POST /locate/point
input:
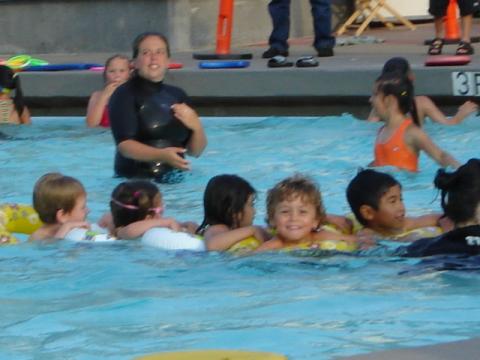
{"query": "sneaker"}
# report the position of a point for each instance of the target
(274, 52)
(325, 52)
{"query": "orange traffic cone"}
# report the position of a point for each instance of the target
(224, 35)
(224, 26)
(452, 29)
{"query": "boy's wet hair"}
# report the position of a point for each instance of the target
(398, 85)
(460, 191)
(138, 40)
(132, 201)
(11, 81)
(367, 188)
(291, 188)
(224, 200)
(53, 192)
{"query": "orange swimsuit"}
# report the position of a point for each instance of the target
(394, 151)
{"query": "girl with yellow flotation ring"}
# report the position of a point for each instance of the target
(229, 211)
(295, 210)
(17, 218)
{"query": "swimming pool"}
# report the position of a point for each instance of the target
(118, 301)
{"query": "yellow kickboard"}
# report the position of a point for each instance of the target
(213, 355)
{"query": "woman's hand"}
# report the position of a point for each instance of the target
(187, 116)
(171, 155)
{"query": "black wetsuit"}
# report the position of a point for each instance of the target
(141, 110)
(461, 241)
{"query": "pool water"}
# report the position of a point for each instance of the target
(99, 301)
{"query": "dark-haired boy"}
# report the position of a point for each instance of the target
(375, 199)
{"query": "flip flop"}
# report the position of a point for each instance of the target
(306, 61)
(279, 61)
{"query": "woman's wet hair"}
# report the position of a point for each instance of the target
(132, 201)
(367, 188)
(11, 81)
(460, 191)
(292, 187)
(224, 201)
(138, 40)
(399, 66)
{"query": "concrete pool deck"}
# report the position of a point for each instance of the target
(343, 80)
(464, 350)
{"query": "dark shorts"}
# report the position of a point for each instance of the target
(438, 8)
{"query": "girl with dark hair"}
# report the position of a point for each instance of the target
(229, 210)
(399, 141)
(460, 200)
(137, 206)
(12, 111)
(422, 106)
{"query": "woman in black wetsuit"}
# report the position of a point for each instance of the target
(151, 123)
(460, 192)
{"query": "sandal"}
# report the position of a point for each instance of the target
(436, 47)
(464, 48)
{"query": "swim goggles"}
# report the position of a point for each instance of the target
(156, 210)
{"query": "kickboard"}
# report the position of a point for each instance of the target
(214, 355)
(171, 66)
(224, 64)
(60, 67)
(447, 60)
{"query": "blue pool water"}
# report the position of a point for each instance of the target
(119, 301)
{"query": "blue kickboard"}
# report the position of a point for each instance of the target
(60, 67)
(224, 64)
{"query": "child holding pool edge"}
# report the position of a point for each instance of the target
(117, 71)
(12, 111)
(399, 141)
(296, 214)
(60, 202)
(375, 199)
(228, 203)
(422, 106)
(460, 200)
(136, 207)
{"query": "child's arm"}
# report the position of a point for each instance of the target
(272, 244)
(220, 237)
(138, 228)
(97, 103)
(419, 140)
(422, 221)
(364, 239)
(341, 222)
(433, 112)
(25, 117)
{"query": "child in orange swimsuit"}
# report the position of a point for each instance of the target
(422, 106)
(399, 141)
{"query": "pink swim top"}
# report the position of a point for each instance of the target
(105, 120)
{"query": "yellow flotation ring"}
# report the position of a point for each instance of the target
(409, 235)
(246, 245)
(17, 218)
(214, 355)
